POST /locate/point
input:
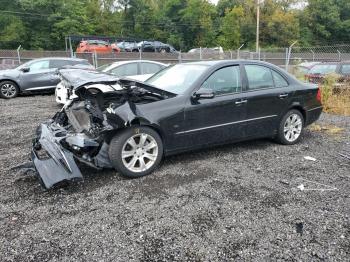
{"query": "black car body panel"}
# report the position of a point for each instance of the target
(89, 122)
(54, 163)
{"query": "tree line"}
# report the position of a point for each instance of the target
(43, 24)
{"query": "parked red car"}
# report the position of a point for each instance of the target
(98, 46)
(318, 72)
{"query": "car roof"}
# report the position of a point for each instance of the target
(59, 58)
(133, 61)
(223, 62)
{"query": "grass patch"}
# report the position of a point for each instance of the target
(336, 95)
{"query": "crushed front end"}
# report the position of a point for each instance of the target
(83, 129)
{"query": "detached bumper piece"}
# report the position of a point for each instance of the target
(53, 163)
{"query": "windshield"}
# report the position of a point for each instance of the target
(178, 78)
(323, 69)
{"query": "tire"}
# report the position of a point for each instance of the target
(142, 162)
(291, 128)
(8, 89)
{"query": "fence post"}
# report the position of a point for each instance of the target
(179, 57)
(289, 54)
(313, 55)
(70, 47)
(140, 53)
(96, 62)
(200, 53)
(238, 50)
(286, 61)
(339, 55)
(18, 54)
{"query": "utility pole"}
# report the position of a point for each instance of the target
(257, 24)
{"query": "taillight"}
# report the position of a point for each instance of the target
(319, 94)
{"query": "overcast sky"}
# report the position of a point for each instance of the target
(214, 1)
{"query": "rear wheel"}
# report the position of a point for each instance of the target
(136, 151)
(291, 128)
(8, 89)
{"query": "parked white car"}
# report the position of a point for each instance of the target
(139, 70)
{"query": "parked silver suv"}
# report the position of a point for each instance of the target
(38, 75)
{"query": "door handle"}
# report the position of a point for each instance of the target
(283, 95)
(242, 101)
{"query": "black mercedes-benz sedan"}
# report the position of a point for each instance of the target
(183, 107)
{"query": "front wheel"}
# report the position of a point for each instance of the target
(290, 128)
(136, 151)
(8, 89)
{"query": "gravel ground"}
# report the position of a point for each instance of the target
(236, 202)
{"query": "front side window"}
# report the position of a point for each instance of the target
(259, 77)
(125, 70)
(39, 65)
(226, 80)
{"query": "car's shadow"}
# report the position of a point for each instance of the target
(94, 178)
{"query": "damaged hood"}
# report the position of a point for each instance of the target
(78, 78)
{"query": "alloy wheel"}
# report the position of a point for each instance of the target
(139, 152)
(8, 90)
(293, 127)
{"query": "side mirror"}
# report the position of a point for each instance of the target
(25, 69)
(203, 93)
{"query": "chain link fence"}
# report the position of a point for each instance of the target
(283, 57)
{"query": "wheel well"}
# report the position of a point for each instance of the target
(136, 124)
(301, 110)
(10, 80)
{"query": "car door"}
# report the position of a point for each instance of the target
(38, 77)
(268, 95)
(148, 47)
(219, 119)
(58, 64)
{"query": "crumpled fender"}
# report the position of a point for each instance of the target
(127, 114)
(58, 164)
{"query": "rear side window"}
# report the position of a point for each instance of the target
(279, 80)
(78, 62)
(226, 80)
(259, 77)
(62, 63)
(59, 63)
(125, 70)
(150, 68)
(345, 69)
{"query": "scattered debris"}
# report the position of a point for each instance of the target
(299, 228)
(346, 152)
(329, 129)
(317, 188)
(284, 182)
(309, 158)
